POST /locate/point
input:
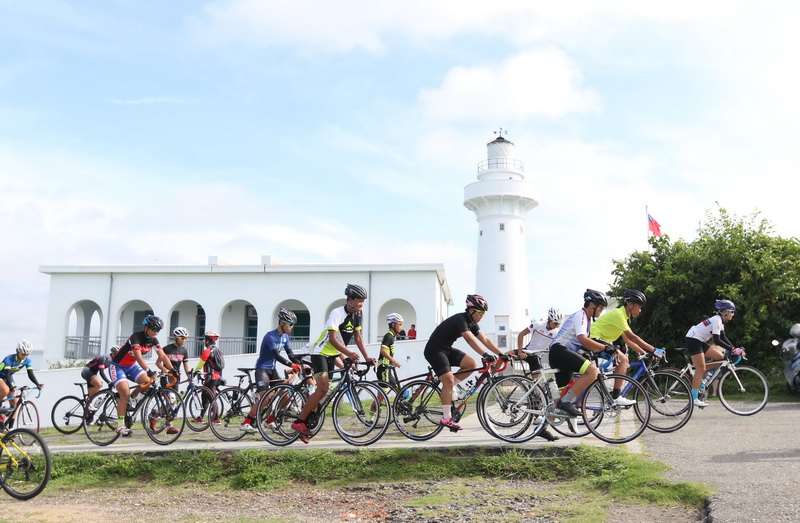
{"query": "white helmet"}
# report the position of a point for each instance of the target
(794, 332)
(394, 318)
(554, 315)
(180, 332)
(24, 347)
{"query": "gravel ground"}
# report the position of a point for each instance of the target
(466, 500)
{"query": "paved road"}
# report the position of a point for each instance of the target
(752, 461)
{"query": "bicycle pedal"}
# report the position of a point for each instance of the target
(454, 429)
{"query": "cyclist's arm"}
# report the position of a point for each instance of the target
(33, 379)
(276, 353)
(637, 343)
(723, 341)
(160, 365)
(103, 372)
(589, 344)
(164, 359)
(521, 341)
(361, 346)
(338, 345)
(473, 341)
(203, 359)
(385, 354)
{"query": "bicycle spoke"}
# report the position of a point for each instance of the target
(743, 390)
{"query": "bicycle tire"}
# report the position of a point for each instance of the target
(25, 464)
(67, 415)
(744, 401)
(227, 413)
(670, 397)
(196, 406)
(417, 416)
(513, 409)
(102, 429)
(360, 413)
(278, 408)
(27, 417)
(609, 422)
(391, 393)
(568, 426)
(163, 410)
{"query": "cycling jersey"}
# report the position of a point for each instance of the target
(577, 324)
(541, 336)
(447, 332)
(11, 364)
(707, 328)
(99, 363)
(137, 341)
(177, 355)
(271, 346)
(344, 323)
(611, 325)
(388, 344)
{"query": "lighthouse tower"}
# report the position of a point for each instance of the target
(500, 200)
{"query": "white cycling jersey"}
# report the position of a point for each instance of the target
(706, 329)
(541, 337)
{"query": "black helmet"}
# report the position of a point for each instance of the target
(287, 316)
(634, 296)
(355, 291)
(475, 301)
(596, 297)
(154, 322)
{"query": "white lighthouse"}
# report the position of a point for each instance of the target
(500, 200)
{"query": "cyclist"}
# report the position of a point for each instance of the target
(265, 372)
(698, 343)
(177, 354)
(129, 364)
(11, 364)
(572, 338)
(212, 361)
(441, 355)
(344, 324)
(98, 368)
(615, 324)
(542, 333)
(387, 359)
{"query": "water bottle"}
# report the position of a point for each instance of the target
(406, 394)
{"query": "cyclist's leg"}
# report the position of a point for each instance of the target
(716, 356)
(568, 362)
(696, 349)
(623, 363)
(323, 366)
(263, 378)
(465, 363)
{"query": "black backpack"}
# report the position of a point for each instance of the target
(216, 359)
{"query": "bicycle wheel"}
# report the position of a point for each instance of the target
(227, 413)
(743, 390)
(610, 422)
(391, 393)
(360, 414)
(417, 413)
(163, 416)
(196, 405)
(67, 415)
(28, 417)
(278, 408)
(570, 427)
(24, 463)
(102, 430)
(670, 397)
(513, 409)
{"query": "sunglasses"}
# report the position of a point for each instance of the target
(479, 311)
(184, 338)
(289, 323)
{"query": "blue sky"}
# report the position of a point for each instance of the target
(345, 132)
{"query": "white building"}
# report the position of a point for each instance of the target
(91, 308)
(500, 200)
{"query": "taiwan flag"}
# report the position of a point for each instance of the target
(653, 226)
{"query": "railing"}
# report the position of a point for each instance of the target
(501, 163)
(82, 347)
(230, 345)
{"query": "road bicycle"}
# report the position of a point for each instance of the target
(24, 414)
(358, 409)
(230, 406)
(25, 463)
(160, 410)
(196, 400)
(69, 412)
(279, 406)
(517, 408)
(742, 389)
(418, 404)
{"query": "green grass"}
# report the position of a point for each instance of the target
(614, 473)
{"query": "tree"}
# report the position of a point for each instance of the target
(733, 258)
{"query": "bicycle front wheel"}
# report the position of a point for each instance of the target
(513, 409)
(163, 417)
(417, 410)
(67, 415)
(609, 421)
(743, 390)
(196, 405)
(670, 397)
(24, 464)
(101, 429)
(278, 408)
(227, 413)
(361, 414)
(28, 417)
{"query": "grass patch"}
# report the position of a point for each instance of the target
(615, 473)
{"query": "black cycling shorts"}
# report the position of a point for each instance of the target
(87, 374)
(264, 377)
(443, 359)
(566, 361)
(323, 364)
(695, 346)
